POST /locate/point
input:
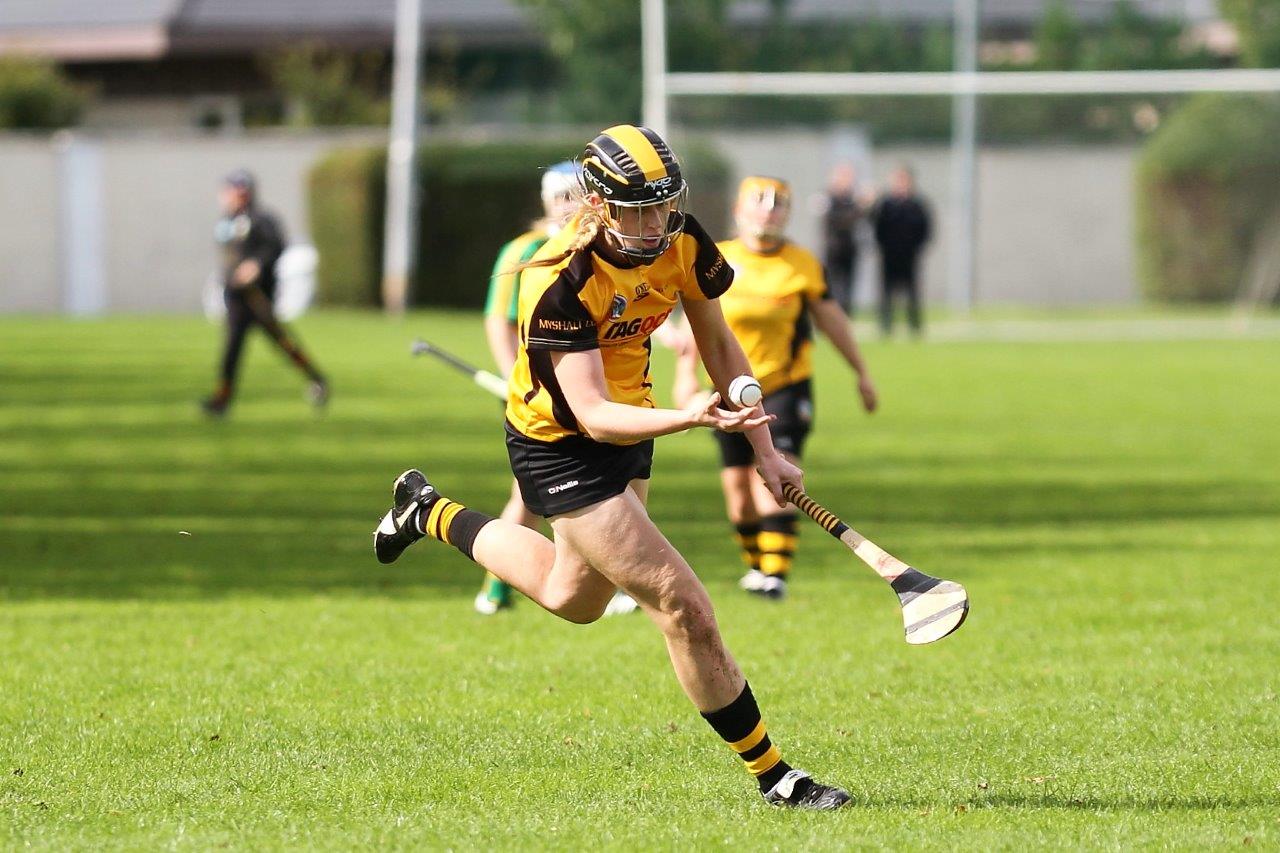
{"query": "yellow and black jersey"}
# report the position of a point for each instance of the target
(767, 310)
(585, 302)
(504, 281)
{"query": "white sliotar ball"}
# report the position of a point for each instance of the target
(745, 391)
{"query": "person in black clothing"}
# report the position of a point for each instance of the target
(839, 224)
(902, 227)
(252, 241)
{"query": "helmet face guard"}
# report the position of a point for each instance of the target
(637, 177)
(628, 221)
(769, 202)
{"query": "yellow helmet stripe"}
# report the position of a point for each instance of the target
(622, 179)
(639, 147)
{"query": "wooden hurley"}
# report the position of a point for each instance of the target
(932, 608)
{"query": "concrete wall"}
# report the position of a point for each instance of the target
(29, 279)
(1055, 223)
(159, 208)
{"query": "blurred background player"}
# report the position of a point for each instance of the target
(500, 313)
(778, 294)
(903, 227)
(840, 222)
(581, 420)
(252, 242)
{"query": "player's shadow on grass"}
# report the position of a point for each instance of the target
(172, 565)
(273, 524)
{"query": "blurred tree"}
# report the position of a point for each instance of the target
(1058, 38)
(598, 45)
(1132, 40)
(1258, 23)
(322, 85)
(35, 95)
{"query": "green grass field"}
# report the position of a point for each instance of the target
(1113, 508)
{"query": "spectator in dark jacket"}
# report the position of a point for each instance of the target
(839, 229)
(902, 227)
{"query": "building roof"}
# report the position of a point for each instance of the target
(91, 30)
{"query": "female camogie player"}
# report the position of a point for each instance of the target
(580, 428)
(779, 290)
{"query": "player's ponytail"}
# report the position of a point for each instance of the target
(588, 222)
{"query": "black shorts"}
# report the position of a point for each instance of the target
(793, 406)
(556, 477)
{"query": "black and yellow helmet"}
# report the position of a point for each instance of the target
(631, 167)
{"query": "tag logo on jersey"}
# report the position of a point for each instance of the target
(638, 326)
(642, 290)
(619, 306)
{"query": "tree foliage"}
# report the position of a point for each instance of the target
(1258, 23)
(35, 95)
(325, 86)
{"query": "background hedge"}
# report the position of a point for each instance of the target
(1206, 183)
(475, 197)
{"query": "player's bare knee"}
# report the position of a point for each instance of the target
(576, 606)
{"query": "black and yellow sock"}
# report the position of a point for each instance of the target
(452, 523)
(740, 725)
(749, 541)
(778, 543)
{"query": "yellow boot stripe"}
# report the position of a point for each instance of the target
(638, 146)
(751, 740)
(764, 763)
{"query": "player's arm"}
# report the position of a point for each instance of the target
(581, 378)
(829, 317)
(675, 335)
(501, 334)
(724, 359)
(501, 308)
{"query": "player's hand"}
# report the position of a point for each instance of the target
(707, 412)
(246, 273)
(777, 471)
(867, 390)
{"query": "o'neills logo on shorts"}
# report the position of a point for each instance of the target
(638, 326)
(562, 325)
(555, 490)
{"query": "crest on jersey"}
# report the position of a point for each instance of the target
(619, 306)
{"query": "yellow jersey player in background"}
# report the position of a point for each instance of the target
(559, 183)
(581, 420)
(779, 294)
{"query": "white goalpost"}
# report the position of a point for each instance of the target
(963, 85)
